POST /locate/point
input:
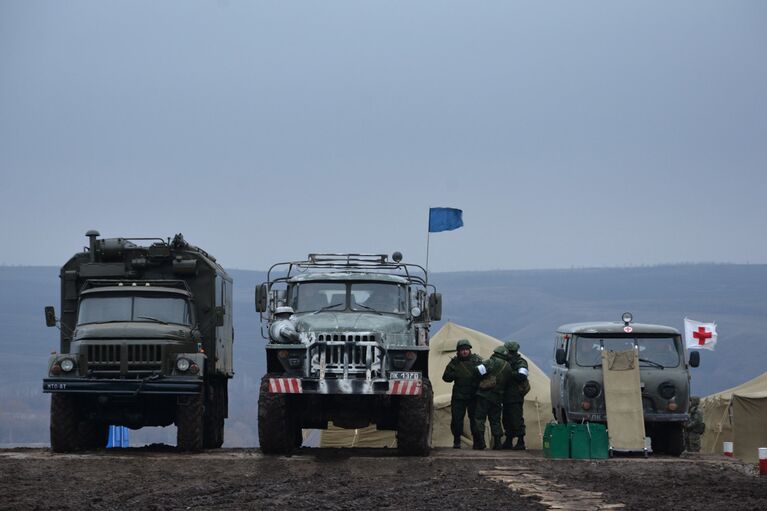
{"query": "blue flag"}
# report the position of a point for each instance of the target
(445, 219)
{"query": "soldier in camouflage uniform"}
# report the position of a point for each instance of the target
(695, 426)
(494, 373)
(462, 372)
(517, 386)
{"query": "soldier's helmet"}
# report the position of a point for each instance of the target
(463, 343)
(512, 346)
(694, 401)
(501, 350)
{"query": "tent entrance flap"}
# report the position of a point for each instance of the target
(623, 400)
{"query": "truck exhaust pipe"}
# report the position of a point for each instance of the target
(92, 235)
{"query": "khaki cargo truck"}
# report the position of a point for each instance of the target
(146, 340)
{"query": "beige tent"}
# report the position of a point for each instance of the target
(537, 407)
(737, 415)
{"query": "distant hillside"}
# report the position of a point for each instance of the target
(523, 305)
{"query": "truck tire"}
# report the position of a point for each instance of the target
(276, 427)
(189, 423)
(414, 422)
(64, 423)
(674, 438)
(93, 435)
(215, 410)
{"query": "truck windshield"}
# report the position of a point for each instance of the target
(162, 309)
(379, 297)
(653, 351)
(314, 296)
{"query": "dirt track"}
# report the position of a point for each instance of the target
(158, 478)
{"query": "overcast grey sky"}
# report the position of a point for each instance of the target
(570, 133)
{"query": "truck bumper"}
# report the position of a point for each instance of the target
(380, 387)
(159, 386)
(601, 417)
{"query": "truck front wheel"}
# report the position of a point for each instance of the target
(414, 423)
(277, 430)
(64, 423)
(189, 423)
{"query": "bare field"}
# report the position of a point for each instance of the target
(158, 478)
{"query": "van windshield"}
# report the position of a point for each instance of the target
(653, 351)
(154, 308)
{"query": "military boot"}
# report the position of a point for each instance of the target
(520, 446)
(509, 442)
(479, 444)
(456, 442)
(497, 444)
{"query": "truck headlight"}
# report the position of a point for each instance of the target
(183, 364)
(67, 365)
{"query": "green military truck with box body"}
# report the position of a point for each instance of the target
(348, 343)
(577, 390)
(146, 340)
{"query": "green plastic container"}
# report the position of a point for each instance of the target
(556, 441)
(580, 441)
(600, 446)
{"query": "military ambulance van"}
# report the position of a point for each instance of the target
(577, 387)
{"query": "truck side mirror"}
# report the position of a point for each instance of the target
(561, 356)
(261, 295)
(435, 306)
(50, 316)
(220, 311)
(694, 358)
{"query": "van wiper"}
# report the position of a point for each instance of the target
(150, 318)
(328, 307)
(596, 365)
(653, 363)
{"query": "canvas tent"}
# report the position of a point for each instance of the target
(537, 408)
(737, 415)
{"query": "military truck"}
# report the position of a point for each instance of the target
(146, 340)
(348, 343)
(577, 387)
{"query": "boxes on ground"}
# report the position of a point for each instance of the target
(556, 441)
(600, 446)
(578, 441)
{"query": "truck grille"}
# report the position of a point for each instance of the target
(139, 357)
(346, 355)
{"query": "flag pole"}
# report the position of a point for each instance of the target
(428, 238)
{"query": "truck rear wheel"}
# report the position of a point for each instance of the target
(64, 423)
(189, 423)
(414, 423)
(278, 432)
(215, 410)
(93, 435)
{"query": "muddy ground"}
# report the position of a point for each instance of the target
(158, 478)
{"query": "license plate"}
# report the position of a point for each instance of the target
(404, 375)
